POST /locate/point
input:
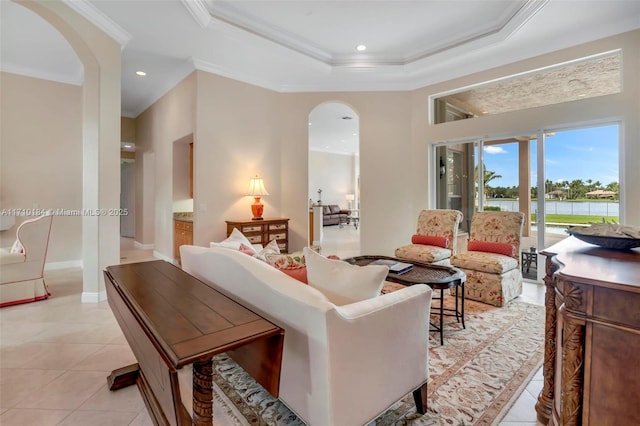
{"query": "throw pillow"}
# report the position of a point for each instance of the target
(17, 247)
(342, 282)
(289, 261)
(271, 248)
(430, 240)
(233, 241)
(247, 250)
(299, 274)
(491, 247)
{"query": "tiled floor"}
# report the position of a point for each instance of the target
(55, 355)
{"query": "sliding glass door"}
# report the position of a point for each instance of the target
(558, 178)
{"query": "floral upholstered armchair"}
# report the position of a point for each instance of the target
(435, 239)
(492, 262)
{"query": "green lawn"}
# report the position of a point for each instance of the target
(577, 219)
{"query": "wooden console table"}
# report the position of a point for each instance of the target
(592, 335)
(170, 319)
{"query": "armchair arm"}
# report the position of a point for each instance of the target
(379, 340)
(6, 257)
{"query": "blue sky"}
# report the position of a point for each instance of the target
(589, 153)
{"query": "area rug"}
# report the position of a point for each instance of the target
(473, 378)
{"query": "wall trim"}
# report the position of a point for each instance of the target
(161, 256)
(52, 266)
(143, 246)
(93, 297)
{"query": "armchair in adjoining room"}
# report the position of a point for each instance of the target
(435, 240)
(22, 266)
(492, 259)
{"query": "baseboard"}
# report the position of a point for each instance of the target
(161, 256)
(93, 297)
(143, 246)
(52, 266)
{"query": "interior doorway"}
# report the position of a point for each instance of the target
(334, 168)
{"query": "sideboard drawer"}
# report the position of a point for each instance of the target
(263, 231)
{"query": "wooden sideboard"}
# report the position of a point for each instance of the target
(182, 235)
(263, 231)
(170, 319)
(592, 334)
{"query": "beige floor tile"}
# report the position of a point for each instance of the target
(28, 417)
(79, 333)
(67, 392)
(48, 356)
(142, 419)
(523, 410)
(108, 358)
(98, 418)
(18, 384)
(126, 399)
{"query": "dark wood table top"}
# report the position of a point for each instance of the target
(589, 263)
(190, 320)
(421, 273)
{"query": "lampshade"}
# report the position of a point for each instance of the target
(256, 187)
(350, 197)
(257, 190)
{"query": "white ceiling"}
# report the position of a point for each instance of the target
(306, 45)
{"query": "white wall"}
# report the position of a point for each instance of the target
(334, 174)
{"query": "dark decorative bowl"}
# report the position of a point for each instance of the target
(617, 243)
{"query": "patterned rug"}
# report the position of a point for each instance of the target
(473, 378)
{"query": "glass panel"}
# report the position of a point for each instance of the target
(582, 179)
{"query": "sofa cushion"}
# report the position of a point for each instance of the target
(423, 253)
(335, 209)
(430, 240)
(341, 282)
(485, 262)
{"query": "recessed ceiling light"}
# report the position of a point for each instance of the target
(361, 48)
(309, 124)
(141, 73)
(354, 134)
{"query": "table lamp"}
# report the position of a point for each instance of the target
(257, 190)
(350, 198)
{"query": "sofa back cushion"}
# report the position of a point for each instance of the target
(335, 209)
(341, 282)
(326, 209)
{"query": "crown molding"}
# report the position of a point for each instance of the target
(234, 75)
(353, 62)
(198, 11)
(100, 20)
(65, 78)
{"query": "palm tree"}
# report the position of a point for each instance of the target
(488, 177)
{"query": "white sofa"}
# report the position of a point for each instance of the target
(341, 365)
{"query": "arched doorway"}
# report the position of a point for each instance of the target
(334, 174)
(100, 57)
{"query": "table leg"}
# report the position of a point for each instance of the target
(441, 316)
(462, 302)
(203, 393)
